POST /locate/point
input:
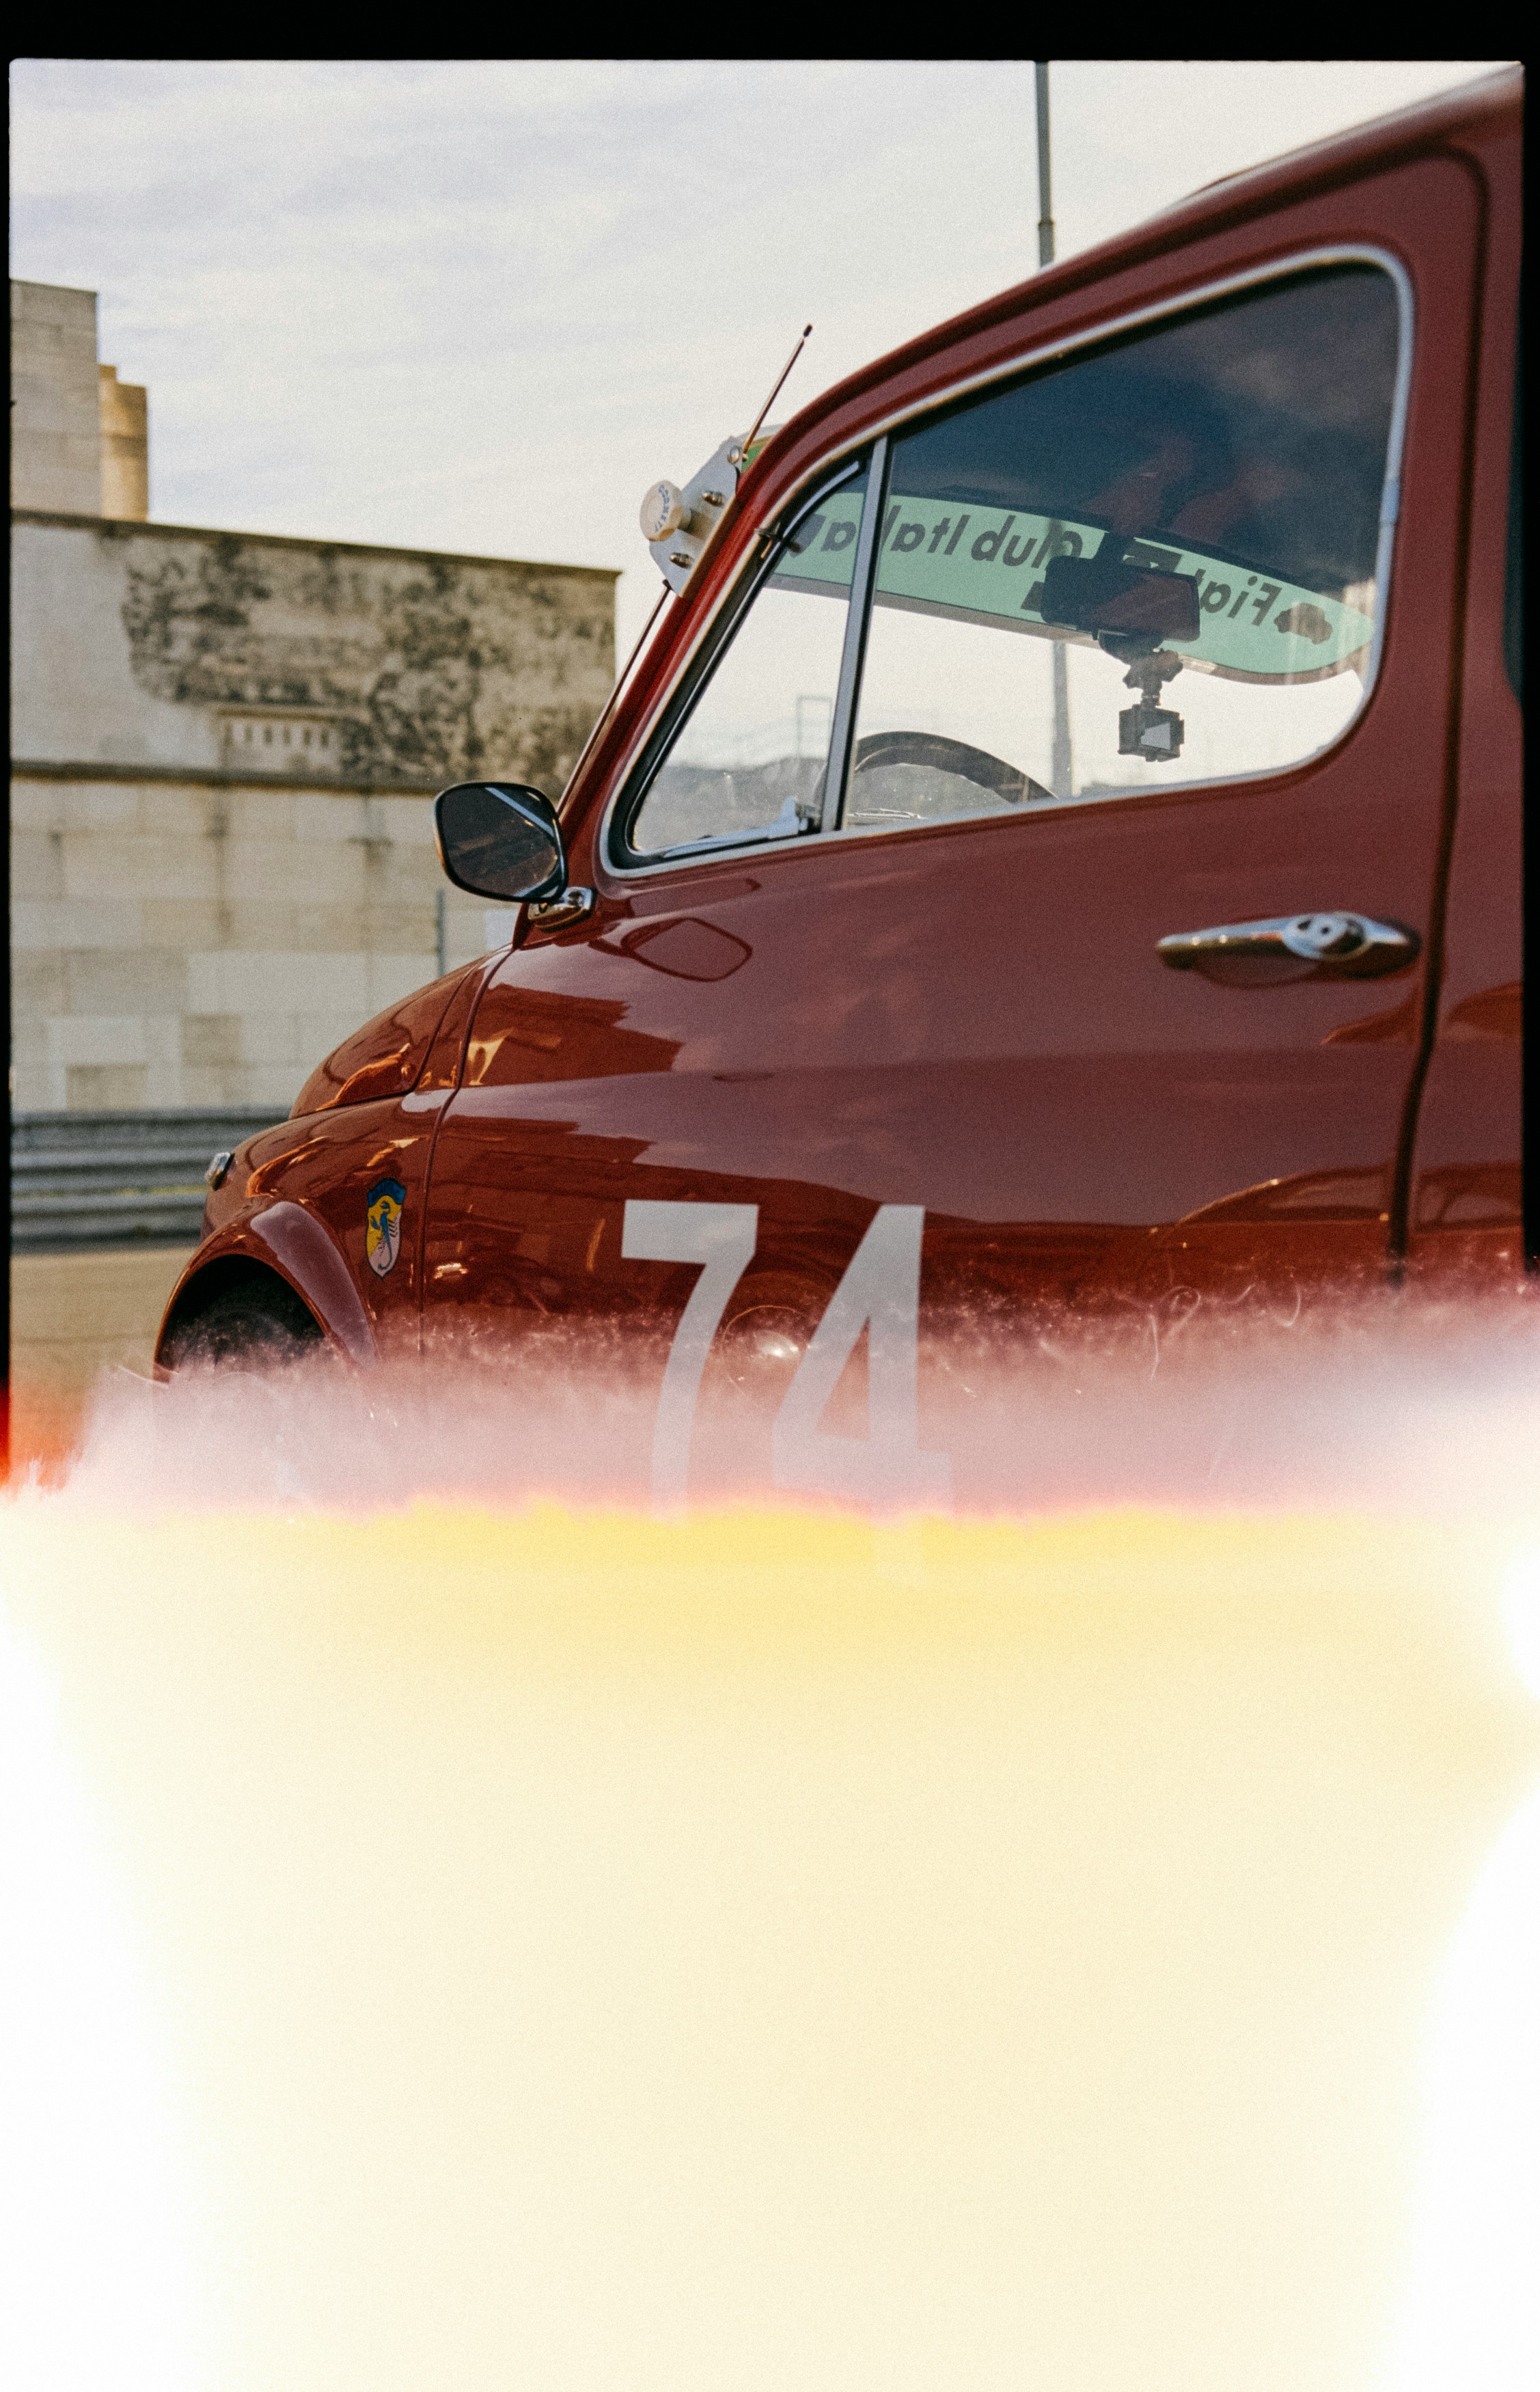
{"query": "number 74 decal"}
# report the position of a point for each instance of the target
(880, 1291)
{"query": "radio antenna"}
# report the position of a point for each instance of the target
(616, 687)
(776, 391)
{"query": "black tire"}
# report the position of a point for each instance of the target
(260, 1324)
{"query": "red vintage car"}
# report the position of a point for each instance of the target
(1060, 846)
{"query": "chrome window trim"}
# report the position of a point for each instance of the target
(852, 655)
(736, 601)
(883, 429)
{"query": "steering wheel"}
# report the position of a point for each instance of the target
(943, 755)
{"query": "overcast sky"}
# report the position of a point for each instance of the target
(481, 305)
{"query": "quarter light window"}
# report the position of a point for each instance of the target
(1158, 563)
(749, 761)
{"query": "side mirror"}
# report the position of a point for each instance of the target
(1101, 594)
(497, 838)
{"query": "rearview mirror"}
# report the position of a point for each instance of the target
(1101, 594)
(498, 838)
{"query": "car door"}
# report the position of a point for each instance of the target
(592, 1056)
(947, 998)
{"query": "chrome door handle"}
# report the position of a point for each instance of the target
(1327, 946)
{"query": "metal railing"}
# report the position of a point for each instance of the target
(80, 1180)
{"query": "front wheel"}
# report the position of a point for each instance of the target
(249, 1322)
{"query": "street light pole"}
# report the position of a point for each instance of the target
(1045, 180)
(1061, 772)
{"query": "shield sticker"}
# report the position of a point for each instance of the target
(383, 1225)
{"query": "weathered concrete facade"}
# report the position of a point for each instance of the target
(225, 749)
(223, 746)
(146, 644)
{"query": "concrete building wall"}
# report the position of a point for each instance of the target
(223, 746)
(55, 399)
(154, 644)
(79, 438)
(175, 945)
(225, 749)
(125, 447)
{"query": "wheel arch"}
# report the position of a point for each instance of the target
(218, 1278)
(288, 1245)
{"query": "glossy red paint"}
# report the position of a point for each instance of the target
(318, 1169)
(384, 1059)
(1464, 1166)
(970, 1016)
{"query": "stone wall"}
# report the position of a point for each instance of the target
(147, 643)
(55, 399)
(224, 749)
(125, 447)
(182, 945)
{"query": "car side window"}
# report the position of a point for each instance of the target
(1157, 563)
(748, 761)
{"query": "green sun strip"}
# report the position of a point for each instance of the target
(980, 564)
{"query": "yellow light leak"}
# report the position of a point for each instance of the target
(772, 1950)
(93, 2277)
